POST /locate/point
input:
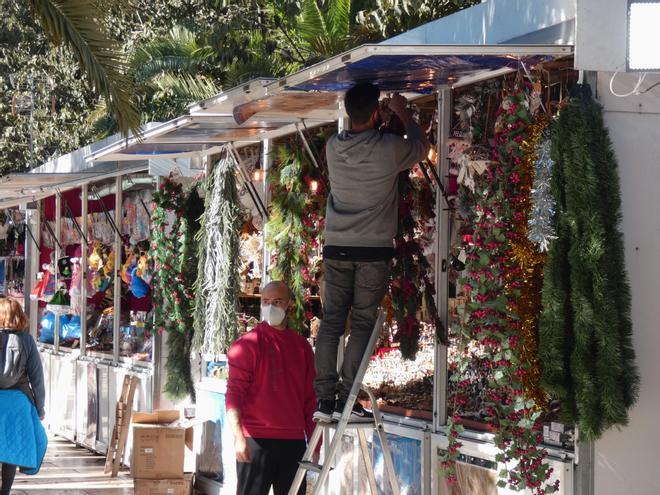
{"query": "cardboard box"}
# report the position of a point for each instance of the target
(164, 487)
(159, 444)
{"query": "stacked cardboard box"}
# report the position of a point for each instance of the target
(159, 447)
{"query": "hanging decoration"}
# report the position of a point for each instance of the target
(528, 278)
(541, 230)
(411, 286)
(297, 214)
(173, 228)
(495, 283)
(218, 246)
(585, 329)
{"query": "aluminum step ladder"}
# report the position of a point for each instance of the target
(323, 429)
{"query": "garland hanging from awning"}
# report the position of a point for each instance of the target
(174, 225)
(218, 281)
(502, 282)
(585, 330)
(297, 214)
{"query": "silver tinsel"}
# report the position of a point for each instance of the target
(541, 230)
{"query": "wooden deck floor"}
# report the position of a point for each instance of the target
(71, 470)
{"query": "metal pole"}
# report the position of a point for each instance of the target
(116, 316)
(58, 253)
(442, 250)
(84, 248)
(32, 216)
(254, 194)
(266, 162)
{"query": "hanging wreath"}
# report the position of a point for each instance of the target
(496, 280)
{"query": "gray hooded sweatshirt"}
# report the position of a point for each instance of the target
(362, 207)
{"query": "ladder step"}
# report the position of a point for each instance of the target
(366, 425)
(311, 466)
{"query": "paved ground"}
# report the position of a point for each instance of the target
(74, 471)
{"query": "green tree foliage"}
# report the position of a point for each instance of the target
(35, 73)
(76, 24)
(585, 328)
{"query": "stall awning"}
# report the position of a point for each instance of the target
(403, 68)
(266, 109)
(27, 187)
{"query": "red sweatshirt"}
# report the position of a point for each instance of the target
(271, 374)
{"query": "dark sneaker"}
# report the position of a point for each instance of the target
(324, 411)
(358, 415)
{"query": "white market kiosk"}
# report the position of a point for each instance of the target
(83, 384)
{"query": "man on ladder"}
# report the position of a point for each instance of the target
(361, 222)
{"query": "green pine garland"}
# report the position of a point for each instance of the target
(585, 328)
(175, 273)
(218, 281)
(296, 218)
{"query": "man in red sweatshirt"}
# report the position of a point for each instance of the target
(270, 398)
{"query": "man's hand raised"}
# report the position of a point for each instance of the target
(399, 105)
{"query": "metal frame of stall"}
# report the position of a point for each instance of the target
(478, 448)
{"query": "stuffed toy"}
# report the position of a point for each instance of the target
(139, 287)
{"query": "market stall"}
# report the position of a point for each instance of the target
(86, 232)
(461, 92)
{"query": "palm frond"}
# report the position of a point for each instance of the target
(339, 17)
(77, 24)
(312, 22)
(186, 88)
(177, 52)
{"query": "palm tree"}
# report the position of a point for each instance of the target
(172, 71)
(327, 28)
(76, 23)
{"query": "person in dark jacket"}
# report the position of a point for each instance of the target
(20, 367)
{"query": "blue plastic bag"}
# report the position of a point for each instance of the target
(70, 327)
(47, 335)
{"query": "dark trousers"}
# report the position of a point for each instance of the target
(274, 463)
(358, 287)
(8, 474)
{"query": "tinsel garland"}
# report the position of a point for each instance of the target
(585, 329)
(218, 281)
(528, 279)
(493, 285)
(173, 227)
(541, 230)
(411, 285)
(296, 219)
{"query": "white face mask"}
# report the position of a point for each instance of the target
(272, 315)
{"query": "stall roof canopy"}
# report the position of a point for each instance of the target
(27, 187)
(267, 108)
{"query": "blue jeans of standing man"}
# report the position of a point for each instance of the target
(358, 287)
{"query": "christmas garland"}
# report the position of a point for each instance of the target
(494, 283)
(297, 213)
(411, 286)
(218, 247)
(172, 233)
(585, 330)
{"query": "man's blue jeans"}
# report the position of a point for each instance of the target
(358, 287)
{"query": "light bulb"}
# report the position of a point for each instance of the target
(314, 186)
(432, 156)
(256, 176)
